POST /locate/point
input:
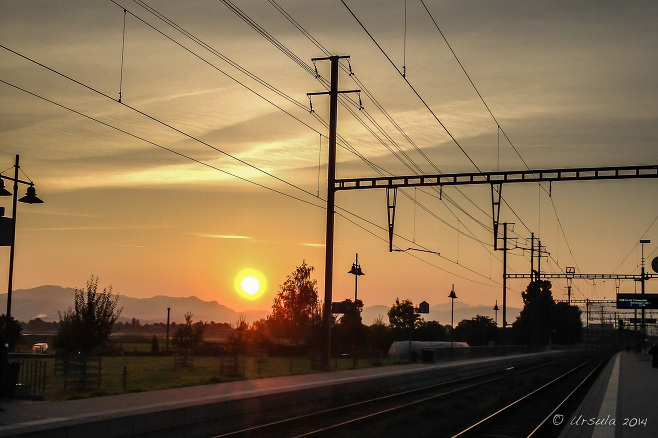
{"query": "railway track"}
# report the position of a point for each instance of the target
(385, 415)
(538, 413)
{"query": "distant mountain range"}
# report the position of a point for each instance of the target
(46, 302)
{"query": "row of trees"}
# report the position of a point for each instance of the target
(296, 319)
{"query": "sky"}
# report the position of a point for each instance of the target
(176, 152)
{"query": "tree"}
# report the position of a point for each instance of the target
(238, 338)
(543, 321)
(379, 337)
(402, 316)
(568, 325)
(430, 331)
(12, 331)
(89, 323)
(533, 327)
(296, 309)
(349, 331)
(188, 336)
(478, 330)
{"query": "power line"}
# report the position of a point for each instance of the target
(412, 87)
(123, 131)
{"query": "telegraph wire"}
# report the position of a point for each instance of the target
(412, 88)
(148, 116)
(410, 164)
(499, 128)
(137, 137)
(123, 131)
(158, 121)
(472, 83)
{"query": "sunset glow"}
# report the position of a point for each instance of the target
(250, 284)
(180, 172)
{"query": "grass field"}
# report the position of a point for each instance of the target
(148, 373)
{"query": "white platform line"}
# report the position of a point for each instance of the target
(609, 406)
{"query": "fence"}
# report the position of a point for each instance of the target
(31, 375)
(80, 371)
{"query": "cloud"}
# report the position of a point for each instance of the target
(221, 236)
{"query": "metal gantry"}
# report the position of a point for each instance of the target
(392, 183)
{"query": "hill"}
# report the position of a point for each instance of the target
(46, 302)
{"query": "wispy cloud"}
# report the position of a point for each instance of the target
(220, 236)
(313, 244)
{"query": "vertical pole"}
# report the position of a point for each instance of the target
(504, 286)
(538, 258)
(13, 238)
(356, 311)
(167, 342)
(356, 281)
(331, 192)
(532, 257)
(643, 327)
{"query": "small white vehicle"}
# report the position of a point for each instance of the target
(39, 348)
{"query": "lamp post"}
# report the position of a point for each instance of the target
(357, 272)
(643, 327)
(29, 198)
(452, 297)
(496, 309)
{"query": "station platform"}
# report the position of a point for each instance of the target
(620, 404)
(200, 411)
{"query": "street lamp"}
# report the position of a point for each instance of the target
(496, 309)
(29, 198)
(452, 297)
(643, 327)
(357, 272)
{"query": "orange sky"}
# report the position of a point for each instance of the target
(572, 85)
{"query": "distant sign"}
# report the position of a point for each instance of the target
(342, 307)
(637, 301)
(654, 264)
(424, 307)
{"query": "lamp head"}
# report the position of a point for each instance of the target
(452, 295)
(3, 191)
(356, 270)
(31, 197)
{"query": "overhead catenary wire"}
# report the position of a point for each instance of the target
(169, 149)
(321, 134)
(401, 155)
(137, 137)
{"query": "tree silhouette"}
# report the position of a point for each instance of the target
(296, 308)
(403, 317)
(543, 321)
(478, 330)
(89, 323)
(188, 336)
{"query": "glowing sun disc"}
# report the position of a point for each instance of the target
(250, 285)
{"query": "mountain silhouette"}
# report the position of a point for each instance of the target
(47, 302)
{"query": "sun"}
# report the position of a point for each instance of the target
(250, 284)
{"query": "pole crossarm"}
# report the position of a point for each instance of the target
(16, 180)
(498, 177)
(589, 276)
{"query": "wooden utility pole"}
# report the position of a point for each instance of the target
(331, 194)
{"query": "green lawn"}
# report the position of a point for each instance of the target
(148, 373)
